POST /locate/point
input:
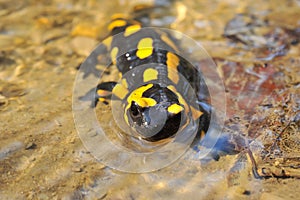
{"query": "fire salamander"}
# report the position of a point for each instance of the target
(156, 107)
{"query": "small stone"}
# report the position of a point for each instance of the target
(77, 169)
(57, 122)
(32, 159)
(30, 145)
(3, 101)
(246, 192)
(20, 69)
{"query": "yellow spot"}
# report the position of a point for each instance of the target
(150, 74)
(202, 134)
(120, 75)
(124, 82)
(175, 108)
(196, 113)
(172, 60)
(120, 90)
(145, 48)
(116, 23)
(132, 29)
(172, 88)
(138, 92)
(102, 99)
(145, 102)
(136, 96)
(107, 42)
(172, 63)
(173, 75)
(168, 41)
(99, 66)
(180, 98)
(113, 54)
(103, 93)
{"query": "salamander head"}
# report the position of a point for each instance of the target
(154, 112)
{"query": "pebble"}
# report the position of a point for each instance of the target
(3, 102)
(30, 145)
(20, 69)
(9, 89)
(247, 192)
(77, 169)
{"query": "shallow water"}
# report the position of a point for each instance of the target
(255, 46)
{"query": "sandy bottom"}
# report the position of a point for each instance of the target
(255, 46)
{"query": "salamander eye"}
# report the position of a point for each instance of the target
(134, 109)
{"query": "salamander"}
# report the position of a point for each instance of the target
(156, 98)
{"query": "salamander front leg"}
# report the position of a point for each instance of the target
(101, 93)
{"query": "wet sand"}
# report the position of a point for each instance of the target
(256, 48)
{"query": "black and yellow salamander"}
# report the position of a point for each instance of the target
(156, 81)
